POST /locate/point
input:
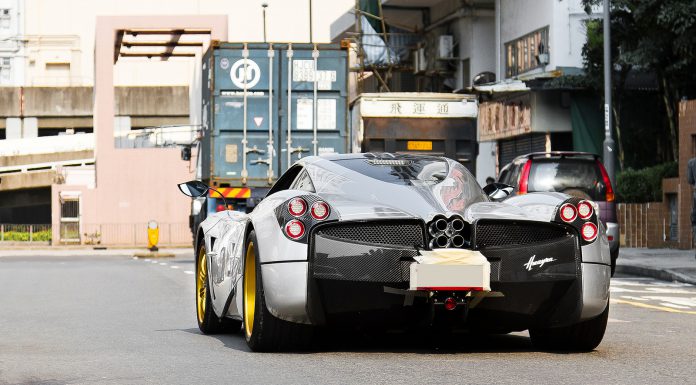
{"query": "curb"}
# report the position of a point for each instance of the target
(664, 275)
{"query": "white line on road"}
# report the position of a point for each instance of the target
(188, 272)
(163, 264)
(614, 320)
(174, 267)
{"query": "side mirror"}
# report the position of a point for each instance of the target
(194, 188)
(498, 191)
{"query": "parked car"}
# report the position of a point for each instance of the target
(389, 240)
(579, 174)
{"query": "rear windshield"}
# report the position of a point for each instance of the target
(571, 176)
(399, 171)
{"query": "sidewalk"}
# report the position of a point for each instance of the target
(80, 251)
(664, 264)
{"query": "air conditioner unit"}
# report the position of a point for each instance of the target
(445, 47)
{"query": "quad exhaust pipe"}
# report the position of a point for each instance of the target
(446, 233)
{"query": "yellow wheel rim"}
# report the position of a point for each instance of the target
(249, 289)
(201, 284)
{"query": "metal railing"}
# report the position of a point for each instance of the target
(134, 234)
(25, 233)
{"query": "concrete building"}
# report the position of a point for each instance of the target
(503, 49)
(82, 142)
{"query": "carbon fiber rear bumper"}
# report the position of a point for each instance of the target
(541, 284)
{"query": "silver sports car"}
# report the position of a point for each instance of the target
(401, 241)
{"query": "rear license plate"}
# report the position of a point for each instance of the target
(450, 277)
(416, 145)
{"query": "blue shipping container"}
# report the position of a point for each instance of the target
(267, 105)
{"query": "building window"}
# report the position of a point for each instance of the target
(5, 19)
(5, 70)
(521, 55)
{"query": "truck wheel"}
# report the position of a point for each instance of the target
(208, 322)
(581, 337)
(263, 331)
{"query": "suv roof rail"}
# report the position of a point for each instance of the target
(559, 154)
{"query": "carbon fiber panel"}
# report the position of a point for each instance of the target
(336, 259)
(400, 234)
(558, 259)
(502, 233)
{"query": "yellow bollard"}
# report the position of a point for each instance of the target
(152, 235)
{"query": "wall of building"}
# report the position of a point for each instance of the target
(565, 19)
(12, 61)
(71, 23)
(549, 113)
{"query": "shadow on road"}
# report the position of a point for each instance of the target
(419, 343)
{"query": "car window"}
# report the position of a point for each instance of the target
(514, 176)
(566, 175)
(286, 180)
(303, 182)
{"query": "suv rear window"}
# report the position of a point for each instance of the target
(567, 174)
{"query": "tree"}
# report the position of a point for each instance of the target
(657, 36)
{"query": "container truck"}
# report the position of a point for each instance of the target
(417, 122)
(264, 107)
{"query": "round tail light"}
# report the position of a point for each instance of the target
(568, 212)
(589, 231)
(320, 210)
(585, 209)
(297, 207)
(294, 229)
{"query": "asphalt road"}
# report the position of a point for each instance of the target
(118, 320)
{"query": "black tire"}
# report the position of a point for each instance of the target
(581, 337)
(268, 333)
(208, 322)
(614, 257)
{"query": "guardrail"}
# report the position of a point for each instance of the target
(25, 233)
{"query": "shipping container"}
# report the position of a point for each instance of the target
(416, 122)
(264, 107)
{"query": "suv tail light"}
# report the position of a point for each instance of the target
(524, 178)
(607, 182)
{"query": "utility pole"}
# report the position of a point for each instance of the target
(609, 144)
(311, 35)
(263, 7)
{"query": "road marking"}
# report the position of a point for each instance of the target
(174, 267)
(634, 298)
(614, 320)
(163, 264)
(649, 290)
(188, 272)
(653, 307)
(674, 306)
(681, 301)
